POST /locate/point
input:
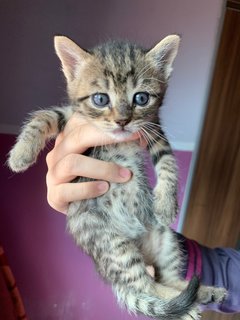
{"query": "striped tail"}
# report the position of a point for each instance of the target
(180, 307)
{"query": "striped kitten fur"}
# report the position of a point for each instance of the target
(119, 87)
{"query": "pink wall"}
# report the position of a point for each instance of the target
(57, 281)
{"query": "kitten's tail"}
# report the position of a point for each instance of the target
(176, 308)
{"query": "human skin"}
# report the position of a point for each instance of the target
(66, 162)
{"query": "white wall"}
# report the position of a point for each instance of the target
(30, 74)
(199, 23)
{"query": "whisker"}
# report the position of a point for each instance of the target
(172, 136)
(154, 132)
(155, 79)
(140, 137)
(155, 126)
(147, 137)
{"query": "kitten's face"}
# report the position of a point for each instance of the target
(118, 97)
(118, 87)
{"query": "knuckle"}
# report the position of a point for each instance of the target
(68, 164)
(49, 158)
(84, 190)
(75, 136)
(57, 198)
(48, 179)
(51, 196)
(59, 138)
(51, 200)
(88, 190)
(60, 195)
(56, 206)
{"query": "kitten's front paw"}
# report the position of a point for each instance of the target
(165, 208)
(21, 157)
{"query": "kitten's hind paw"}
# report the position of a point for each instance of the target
(219, 295)
(211, 295)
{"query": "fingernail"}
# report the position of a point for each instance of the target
(125, 173)
(103, 186)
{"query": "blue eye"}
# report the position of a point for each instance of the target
(100, 99)
(141, 98)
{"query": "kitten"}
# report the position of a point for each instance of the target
(118, 87)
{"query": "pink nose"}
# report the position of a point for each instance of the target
(123, 122)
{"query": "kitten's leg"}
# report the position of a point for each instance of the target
(206, 294)
(165, 191)
(124, 267)
(42, 125)
(162, 249)
(120, 262)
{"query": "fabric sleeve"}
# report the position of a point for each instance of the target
(219, 267)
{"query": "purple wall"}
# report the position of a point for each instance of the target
(57, 281)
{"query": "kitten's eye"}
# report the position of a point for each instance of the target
(141, 98)
(100, 99)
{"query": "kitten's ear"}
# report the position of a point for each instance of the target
(71, 55)
(164, 53)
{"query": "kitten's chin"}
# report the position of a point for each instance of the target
(120, 135)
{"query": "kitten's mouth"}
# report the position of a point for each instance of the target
(121, 130)
(121, 133)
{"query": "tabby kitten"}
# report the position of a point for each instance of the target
(118, 87)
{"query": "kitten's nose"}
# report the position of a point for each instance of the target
(122, 122)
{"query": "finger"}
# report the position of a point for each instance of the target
(143, 142)
(60, 196)
(79, 140)
(74, 122)
(74, 165)
(151, 271)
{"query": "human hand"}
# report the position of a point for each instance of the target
(66, 162)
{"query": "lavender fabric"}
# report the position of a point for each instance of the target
(220, 267)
